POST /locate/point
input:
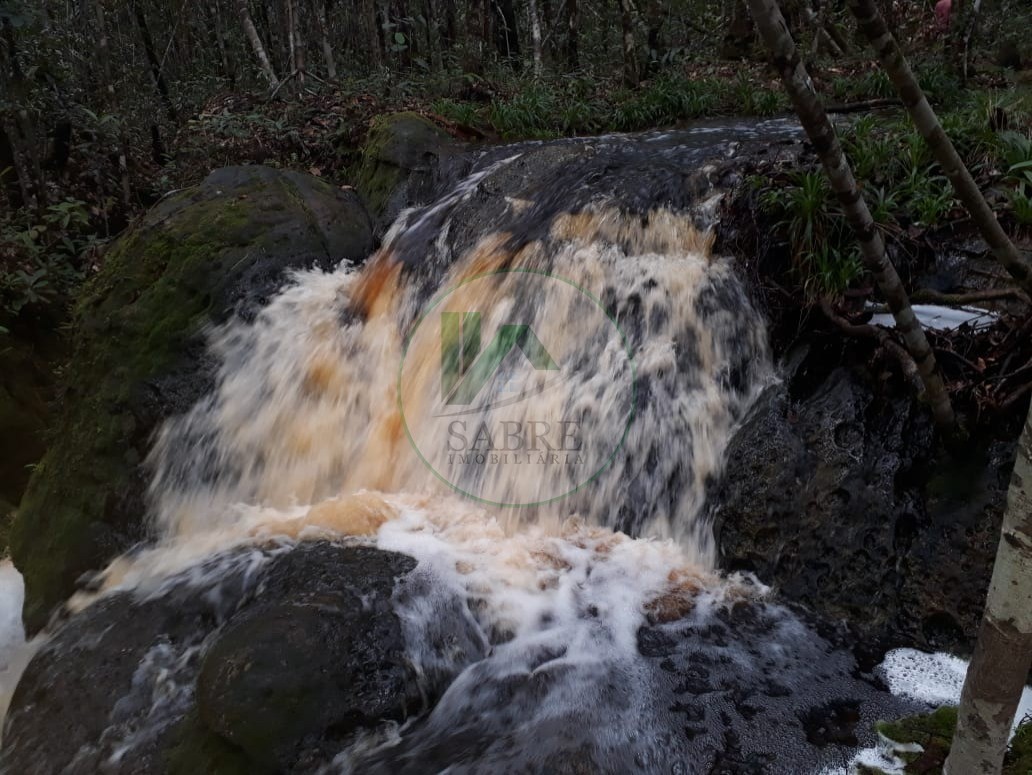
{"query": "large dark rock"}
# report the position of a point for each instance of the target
(260, 660)
(837, 493)
(321, 650)
(399, 164)
(220, 248)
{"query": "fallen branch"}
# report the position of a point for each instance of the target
(280, 85)
(1013, 397)
(867, 331)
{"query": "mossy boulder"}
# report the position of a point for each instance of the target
(398, 162)
(198, 257)
(933, 732)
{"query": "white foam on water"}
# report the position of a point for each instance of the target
(15, 651)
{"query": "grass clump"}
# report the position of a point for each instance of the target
(825, 257)
(902, 183)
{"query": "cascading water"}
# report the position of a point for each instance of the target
(658, 344)
(563, 509)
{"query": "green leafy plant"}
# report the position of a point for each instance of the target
(1016, 153)
(1021, 204)
(40, 261)
(823, 251)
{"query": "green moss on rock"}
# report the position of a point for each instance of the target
(196, 749)
(397, 146)
(933, 732)
(195, 258)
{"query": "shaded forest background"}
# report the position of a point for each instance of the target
(106, 105)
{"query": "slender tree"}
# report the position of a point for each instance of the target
(963, 16)
(656, 15)
(104, 55)
(294, 43)
(1003, 653)
(630, 51)
(535, 35)
(774, 31)
(324, 37)
(153, 61)
(507, 40)
(369, 31)
(220, 40)
(572, 35)
(891, 57)
(256, 42)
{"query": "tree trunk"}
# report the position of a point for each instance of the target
(154, 62)
(820, 34)
(630, 53)
(220, 37)
(968, 29)
(1003, 653)
(474, 48)
(324, 35)
(657, 14)
(370, 32)
(507, 39)
(21, 131)
(535, 35)
(572, 36)
(961, 16)
(295, 46)
(256, 43)
(740, 34)
(891, 56)
(13, 177)
(448, 26)
(819, 129)
(104, 55)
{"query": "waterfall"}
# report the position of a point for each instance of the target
(528, 397)
(336, 387)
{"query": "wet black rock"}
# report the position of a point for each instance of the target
(740, 687)
(307, 658)
(258, 660)
(837, 493)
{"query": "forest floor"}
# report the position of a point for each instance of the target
(320, 128)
